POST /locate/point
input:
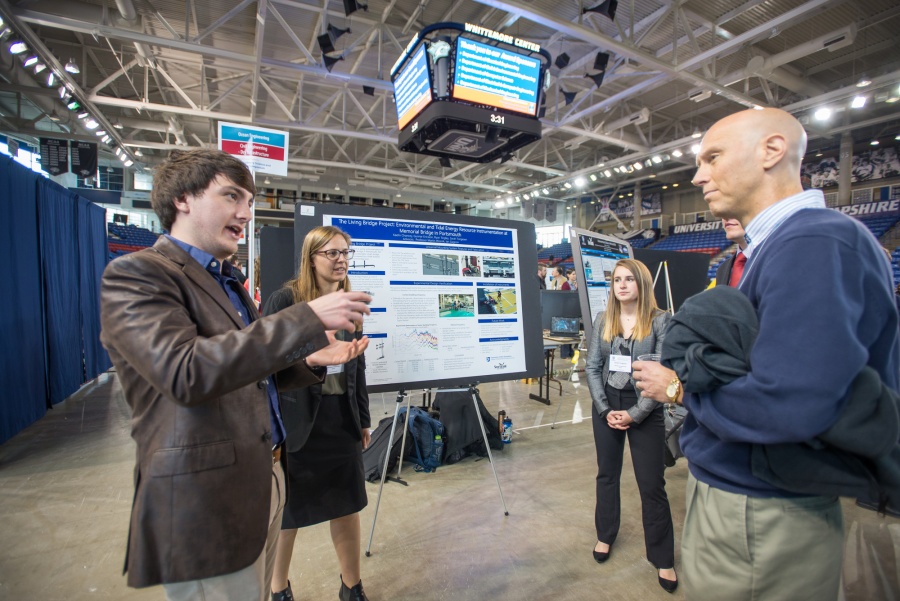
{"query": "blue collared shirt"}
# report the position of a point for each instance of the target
(768, 220)
(222, 273)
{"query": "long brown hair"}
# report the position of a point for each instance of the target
(304, 287)
(646, 304)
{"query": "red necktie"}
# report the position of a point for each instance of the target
(737, 269)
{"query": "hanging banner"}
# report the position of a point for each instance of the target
(54, 155)
(263, 150)
(84, 159)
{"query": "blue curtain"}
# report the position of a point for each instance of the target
(23, 374)
(58, 226)
(92, 257)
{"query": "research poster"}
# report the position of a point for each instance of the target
(446, 298)
(595, 256)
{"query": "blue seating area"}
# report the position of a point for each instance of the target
(641, 242)
(124, 239)
(711, 242)
(560, 252)
(880, 224)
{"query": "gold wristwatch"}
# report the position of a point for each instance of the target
(673, 390)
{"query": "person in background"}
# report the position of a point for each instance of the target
(542, 277)
(728, 273)
(195, 363)
(570, 283)
(559, 278)
(823, 294)
(327, 428)
(237, 269)
(631, 326)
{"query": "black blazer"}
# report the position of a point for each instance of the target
(300, 406)
(723, 271)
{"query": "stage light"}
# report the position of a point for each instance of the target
(547, 191)
(874, 143)
(607, 173)
(138, 153)
(17, 47)
(580, 182)
(72, 67)
(637, 166)
(607, 8)
(106, 139)
(858, 102)
(99, 132)
(129, 163)
(330, 62)
(31, 60)
(677, 153)
(822, 114)
(83, 115)
(73, 105)
(657, 159)
(51, 79)
(696, 133)
(597, 78)
(91, 124)
(62, 92)
(593, 177)
(39, 67)
(351, 6)
(567, 186)
(117, 125)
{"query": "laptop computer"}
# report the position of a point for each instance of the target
(564, 327)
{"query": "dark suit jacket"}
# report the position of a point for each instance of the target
(194, 378)
(301, 406)
(723, 271)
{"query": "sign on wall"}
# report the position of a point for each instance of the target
(262, 150)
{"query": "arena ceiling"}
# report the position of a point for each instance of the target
(160, 74)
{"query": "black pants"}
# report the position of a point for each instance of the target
(647, 443)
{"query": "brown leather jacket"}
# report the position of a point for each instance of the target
(194, 378)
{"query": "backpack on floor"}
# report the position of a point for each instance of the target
(373, 455)
(426, 440)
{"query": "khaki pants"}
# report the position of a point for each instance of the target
(251, 583)
(736, 547)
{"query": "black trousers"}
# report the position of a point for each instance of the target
(647, 443)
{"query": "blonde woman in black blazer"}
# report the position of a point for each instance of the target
(327, 429)
(631, 326)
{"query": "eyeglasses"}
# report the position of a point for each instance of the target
(332, 254)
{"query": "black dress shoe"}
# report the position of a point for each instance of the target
(354, 593)
(285, 595)
(668, 585)
(601, 556)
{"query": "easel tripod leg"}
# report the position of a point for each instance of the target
(384, 469)
(488, 448)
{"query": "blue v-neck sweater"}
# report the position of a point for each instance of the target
(823, 292)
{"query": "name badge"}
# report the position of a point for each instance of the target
(335, 369)
(620, 363)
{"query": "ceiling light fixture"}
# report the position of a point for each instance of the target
(267, 181)
(138, 153)
(696, 133)
(863, 82)
(54, 116)
(17, 47)
(546, 191)
(607, 173)
(567, 186)
(822, 114)
(858, 102)
(874, 143)
(31, 60)
(39, 67)
(637, 166)
(72, 67)
(99, 133)
(106, 139)
(593, 177)
(91, 124)
(73, 105)
(657, 159)
(129, 163)
(677, 153)
(51, 79)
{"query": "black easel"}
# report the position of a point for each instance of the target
(400, 396)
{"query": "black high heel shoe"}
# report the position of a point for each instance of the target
(285, 595)
(353, 593)
(601, 556)
(667, 585)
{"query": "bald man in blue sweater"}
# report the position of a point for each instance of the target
(823, 293)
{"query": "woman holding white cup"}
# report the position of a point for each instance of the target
(632, 326)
